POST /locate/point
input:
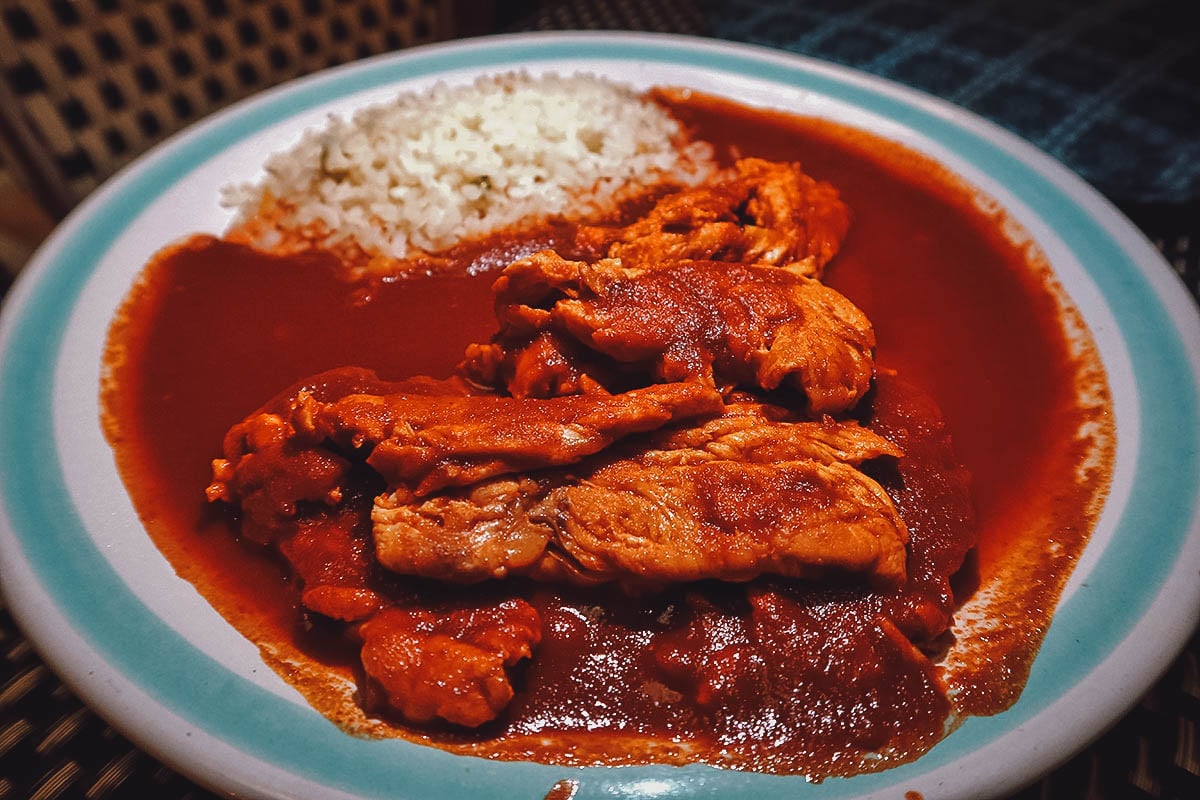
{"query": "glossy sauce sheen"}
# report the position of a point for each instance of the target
(213, 330)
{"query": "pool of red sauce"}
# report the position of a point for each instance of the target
(213, 330)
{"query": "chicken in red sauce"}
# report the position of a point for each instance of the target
(754, 212)
(671, 405)
(473, 602)
(725, 324)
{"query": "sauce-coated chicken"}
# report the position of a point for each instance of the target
(756, 212)
(720, 323)
(451, 665)
(735, 497)
(615, 430)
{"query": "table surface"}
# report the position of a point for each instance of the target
(1110, 88)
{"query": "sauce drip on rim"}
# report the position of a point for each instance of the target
(969, 321)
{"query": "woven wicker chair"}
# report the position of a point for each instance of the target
(88, 85)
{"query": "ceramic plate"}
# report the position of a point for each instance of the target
(146, 651)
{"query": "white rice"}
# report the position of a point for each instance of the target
(428, 170)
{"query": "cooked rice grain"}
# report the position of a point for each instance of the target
(428, 170)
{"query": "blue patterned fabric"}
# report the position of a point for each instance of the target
(1109, 87)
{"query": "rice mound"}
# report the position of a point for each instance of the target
(430, 169)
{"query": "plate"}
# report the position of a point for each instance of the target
(147, 652)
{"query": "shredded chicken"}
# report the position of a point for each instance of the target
(758, 212)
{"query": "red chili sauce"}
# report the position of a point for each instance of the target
(816, 681)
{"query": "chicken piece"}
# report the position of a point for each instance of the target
(730, 498)
(330, 558)
(450, 665)
(431, 442)
(756, 211)
(462, 535)
(758, 433)
(721, 323)
(730, 521)
(270, 469)
(303, 452)
(269, 476)
(549, 365)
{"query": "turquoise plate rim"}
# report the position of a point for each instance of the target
(176, 701)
